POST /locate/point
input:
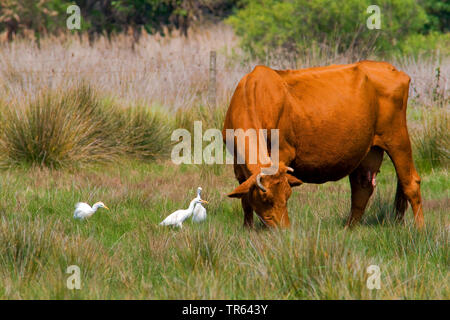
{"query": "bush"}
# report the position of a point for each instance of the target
(145, 133)
(49, 16)
(419, 44)
(296, 26)
(54, 130)
(39, 16)
(74, 127)
(439, 15)
(211, 117)
(432, 140)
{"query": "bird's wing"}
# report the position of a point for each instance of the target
(82, 210)
(198, 207)
(185, 214)
(82, 206)
(199, 213)
(171, 219)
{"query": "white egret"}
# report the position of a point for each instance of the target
(178, 217)
(199, 210)
(83, 210)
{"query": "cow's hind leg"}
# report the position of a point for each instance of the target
(408, 179)
(362, 182)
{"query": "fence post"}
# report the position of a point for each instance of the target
(212, 79)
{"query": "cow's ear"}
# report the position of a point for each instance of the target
(293, 181)
(242, 189)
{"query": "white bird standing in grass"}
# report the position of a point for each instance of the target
(178, 217)
(199, 210)
(83, 210)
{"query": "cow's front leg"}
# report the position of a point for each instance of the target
(363, 182)
(362, 189)
(248, 212)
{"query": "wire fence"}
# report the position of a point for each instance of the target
(148, 68)
(209, 69)
(145, 68)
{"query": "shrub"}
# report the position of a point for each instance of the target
(432, 140)
(211, 117)
(39, 16)
(419, 44)
(439, 15)
(54, 130)
(74, 127)
(145, 133)
(295, 26)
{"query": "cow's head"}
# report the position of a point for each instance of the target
(268, 195)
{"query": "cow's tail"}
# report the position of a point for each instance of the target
(401, 202)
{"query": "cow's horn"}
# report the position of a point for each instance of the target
(258, 182)
(289, 169)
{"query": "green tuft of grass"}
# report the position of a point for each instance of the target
(211, 117)
(144, 133)
(62, 128)
(432, 140)
(54, 130)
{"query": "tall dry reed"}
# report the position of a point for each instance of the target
(171, 71)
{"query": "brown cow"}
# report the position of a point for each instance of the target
(333, 121)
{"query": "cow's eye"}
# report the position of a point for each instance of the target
(267, 197)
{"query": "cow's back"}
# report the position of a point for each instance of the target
(333, 112)
(328, 116)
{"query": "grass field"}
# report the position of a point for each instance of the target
(123, 253)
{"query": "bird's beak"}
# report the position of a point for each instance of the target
(204, 201)
(106, 208)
